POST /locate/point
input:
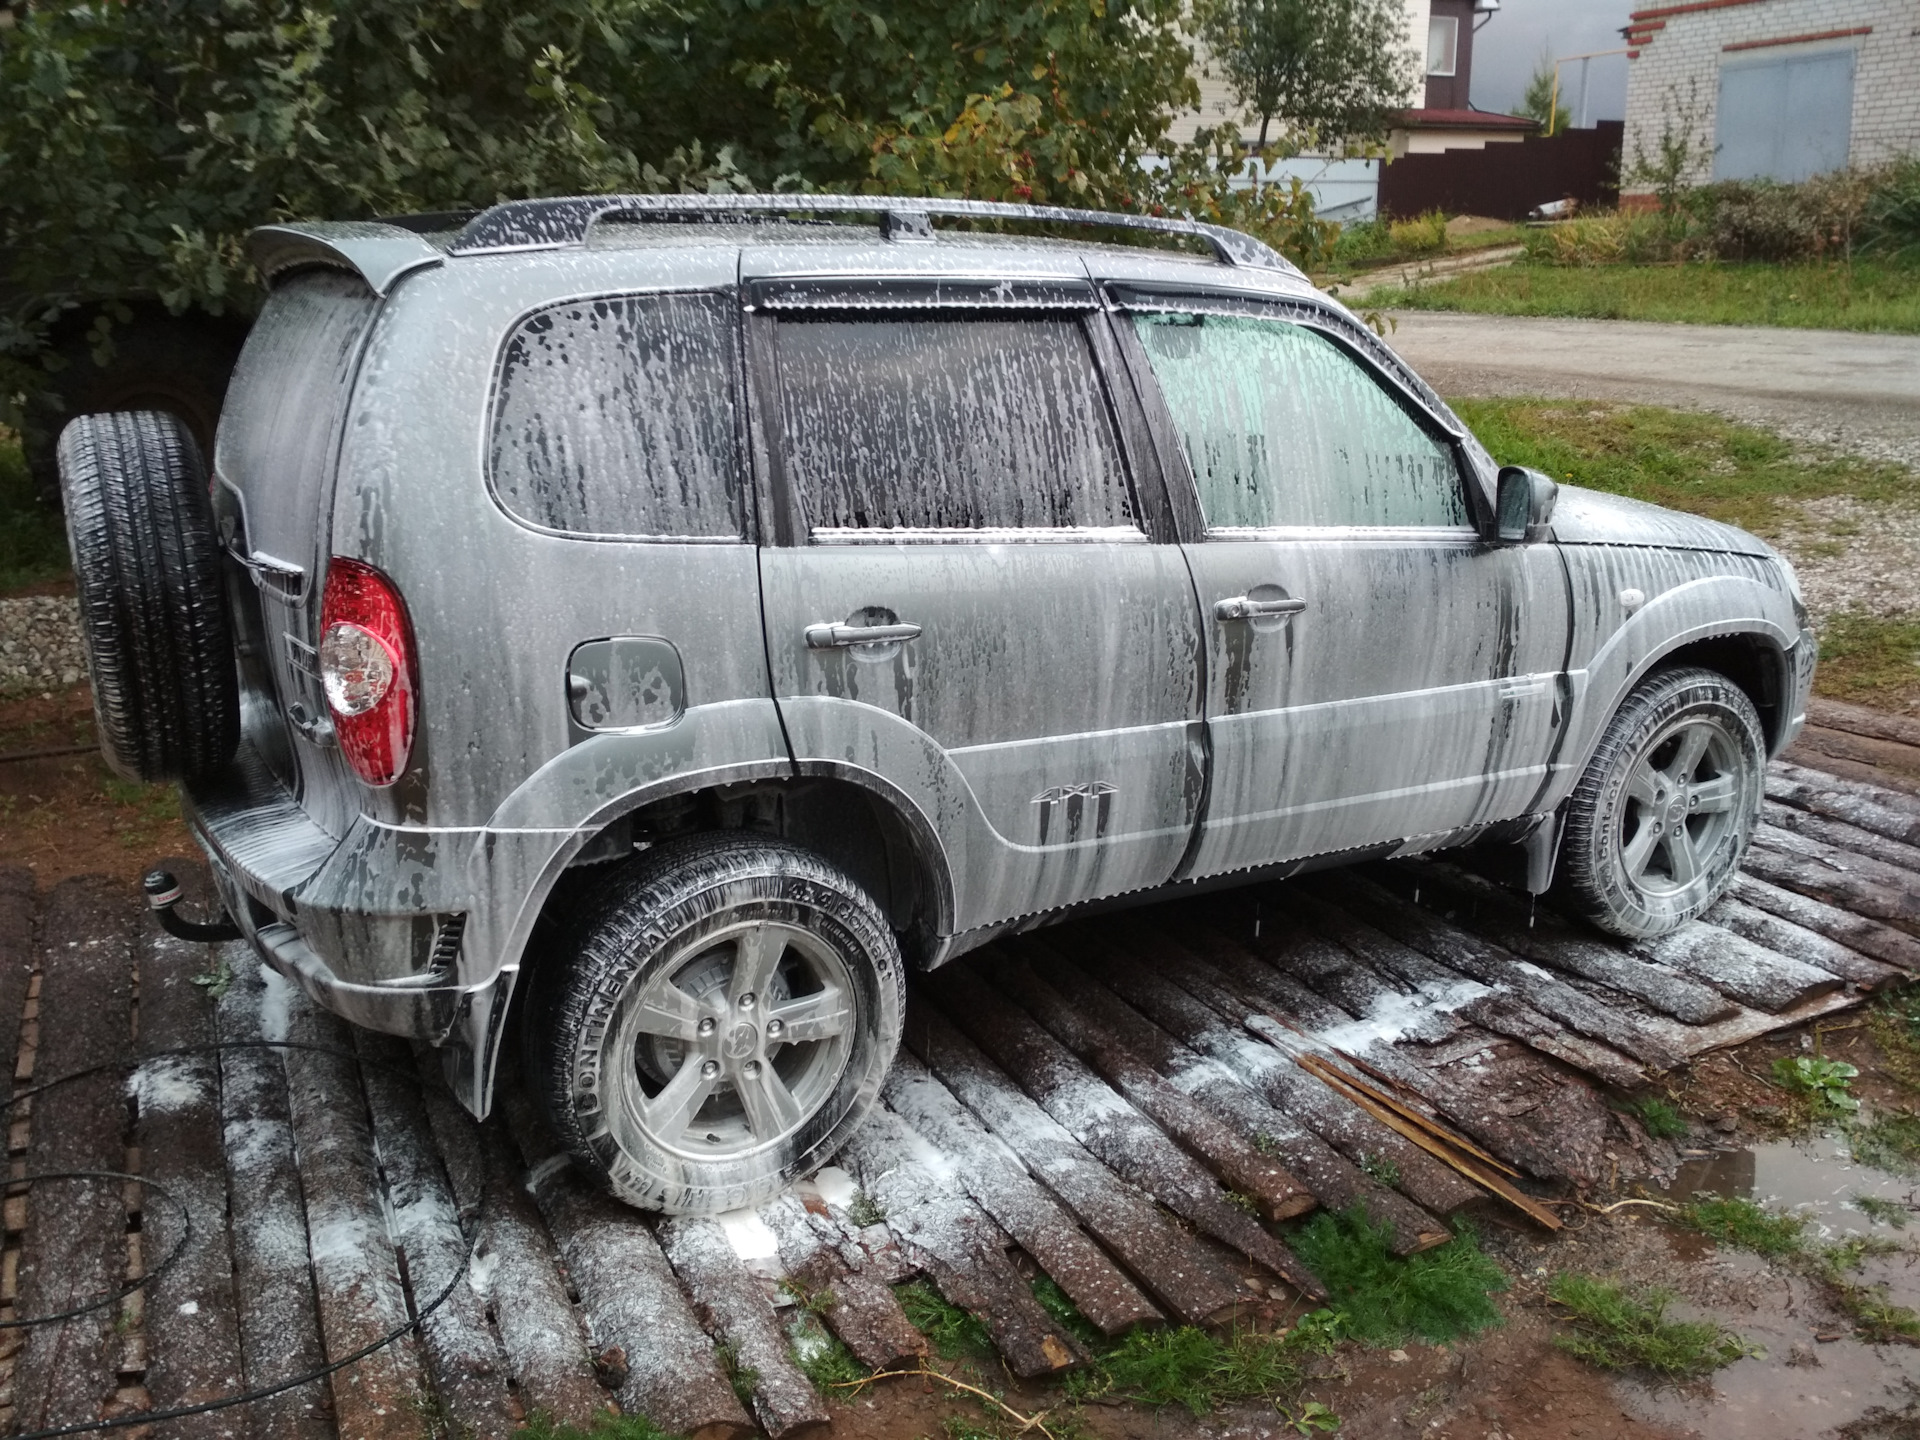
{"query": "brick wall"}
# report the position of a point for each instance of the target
(1680, 43)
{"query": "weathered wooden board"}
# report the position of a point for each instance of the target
(859, 1309)
(1857, 932)
(75, 1248)
(1129, 1143)
(641, 1329)
(1840, 877)
(1170, 1264)
(994, 1177)
(193, 1338)
(1783, 936)
(273, 1287)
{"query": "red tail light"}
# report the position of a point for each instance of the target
(367, 669)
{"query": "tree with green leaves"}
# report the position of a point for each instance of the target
(1540, 102)
(1334, 72)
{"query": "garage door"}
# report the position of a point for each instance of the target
(1784, 118)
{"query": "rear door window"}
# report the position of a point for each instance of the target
(619, 416)
(1282, 427)
(950, 422)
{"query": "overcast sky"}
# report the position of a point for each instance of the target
(1509, 46)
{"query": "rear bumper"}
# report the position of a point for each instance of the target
(385, 927)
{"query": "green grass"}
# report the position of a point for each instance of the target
(1882, 1211)
(822, 1358)
(1866, 295)
(33, 539)
(1384, 1299)
(605, 1427)
(1371, 243)
(953, 1333)
(1678, 458)
(1658, 1117)
(1620, 1331)
(1064, 1313)
(1739, 1222)
(1890, 1141)
(1869, 659)
(1187, 1366)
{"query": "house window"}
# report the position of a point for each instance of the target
(1443, 44)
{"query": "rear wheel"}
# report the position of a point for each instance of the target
(1662, 817)
(720, 1025)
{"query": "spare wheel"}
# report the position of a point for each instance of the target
(152, 611)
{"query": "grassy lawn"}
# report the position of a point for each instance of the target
(1371, 244)
(1866, 295)
(1726, 471)
(33, 541)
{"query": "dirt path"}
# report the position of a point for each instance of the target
(1860, 393)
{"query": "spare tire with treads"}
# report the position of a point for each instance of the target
(152, 610)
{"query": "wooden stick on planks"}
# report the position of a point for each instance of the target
(1436, 1141)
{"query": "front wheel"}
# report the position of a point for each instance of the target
(729, 1008)
(1662, 817)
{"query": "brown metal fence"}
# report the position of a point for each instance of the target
(1507, 179)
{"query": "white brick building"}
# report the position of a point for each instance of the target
(1780, 89)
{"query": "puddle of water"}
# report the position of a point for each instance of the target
(1802, 1387)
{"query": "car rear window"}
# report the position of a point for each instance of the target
(948, 423)
(619, 416)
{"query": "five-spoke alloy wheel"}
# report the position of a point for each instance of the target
(727, 1011)
(1661, 819)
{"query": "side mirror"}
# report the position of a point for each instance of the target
(1524, 508)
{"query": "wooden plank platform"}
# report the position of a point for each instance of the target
(1131, 1105)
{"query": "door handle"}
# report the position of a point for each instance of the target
(836, 637)
(1241, 607)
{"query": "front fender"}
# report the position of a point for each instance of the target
(1704, 608)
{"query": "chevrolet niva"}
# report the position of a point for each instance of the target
(693, 624)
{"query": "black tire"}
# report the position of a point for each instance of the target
(659, 1078)
(1660, 821)
(152, 611)
(175, 363)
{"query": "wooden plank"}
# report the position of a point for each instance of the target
(1807, 946)
(273, 1285)
(962, 1251)
(1840, 877)
(1230, 1155)
(193, 1330)
(1129, 1143)
(1862, 806)
(1891, 761)
(1859, 720)
(1530, 1114)
(861, 1312)
(75, 1246)
(515, 1266)
(1744, 1025)
(1173, 1268)
(1885, 811)
(733, 1307)
(17, 964)
(1182, 1010)
(462, 1352)
(1544, 938)
(1758, 978)
(636, 1315)
(999, 1184)
(1806, 756)
(1842, 836)
(1488, 963)
(1335, 1181)
(1210, 944)
(1856, 932)
(356, 1270)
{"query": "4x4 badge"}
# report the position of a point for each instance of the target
(1073, 802)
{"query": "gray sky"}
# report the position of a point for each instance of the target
(1508, 46)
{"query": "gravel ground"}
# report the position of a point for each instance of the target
(1852, 555)
(40, 644)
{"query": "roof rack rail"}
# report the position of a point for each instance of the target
(552, 224)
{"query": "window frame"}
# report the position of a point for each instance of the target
(1452, 26)
(746, 521)
(1130, 299)
(767, 301)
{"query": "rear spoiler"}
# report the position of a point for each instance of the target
(378, 253)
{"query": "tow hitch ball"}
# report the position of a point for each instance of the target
(163, 893)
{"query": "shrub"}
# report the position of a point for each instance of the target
(1436, 1295)
(1426, 235)
(1620, 238)
(1890, 224)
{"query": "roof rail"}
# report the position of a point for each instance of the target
(551, 224)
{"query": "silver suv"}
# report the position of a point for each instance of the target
(693, 623)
